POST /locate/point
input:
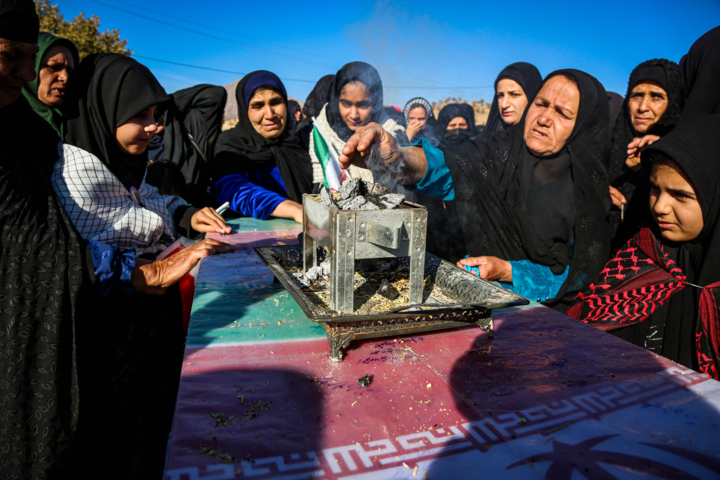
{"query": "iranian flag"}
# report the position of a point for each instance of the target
(328, 158)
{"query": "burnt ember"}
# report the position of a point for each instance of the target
(365, 381)
(359, 195)
(387, 290)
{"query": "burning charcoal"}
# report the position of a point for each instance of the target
(313, 273)
(387, 290)
(342, 203)
(325, 267)
(351, 189)
(355, 203)
(392, 200)
(325, 197)
(365, 381)
(374, 189)
(300, 278)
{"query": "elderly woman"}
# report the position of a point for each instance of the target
(356, 99)
(55, 60)
(420, 121)
(456, 123)
(259, 168)
(533, 200)
(652, 106)
(661, 290)
(515, 87)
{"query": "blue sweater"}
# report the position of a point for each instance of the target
(254, 194)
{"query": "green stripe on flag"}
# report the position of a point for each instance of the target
(322, 153)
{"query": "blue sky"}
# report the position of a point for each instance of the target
(436, 49)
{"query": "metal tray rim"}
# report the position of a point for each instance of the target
(297, 294)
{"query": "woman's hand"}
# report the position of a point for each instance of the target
(155, 277)
(635, 148)
(359, 146)
(618, 199)
(491, 268)
(208, 220)
(413, 128)
(289, 209)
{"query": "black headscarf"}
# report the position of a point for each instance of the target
(192, 125)
(498, 183)
(667, 75)
(18, 21)
(318, 97)
(670, 331)
(616, 101)
(354, 72)
(105, 91)
(455, 136)
(242, 149)
(292, 107)
(700, 70)
(528, 77)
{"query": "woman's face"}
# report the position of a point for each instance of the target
(55, 68)
(457, 122)
(417, 115)
(647, 103)
(674, 204)
(134, 136)
(511, 101)
(355, 105)
(267, 112)
(551, 117)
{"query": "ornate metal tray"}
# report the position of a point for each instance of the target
(458, 299)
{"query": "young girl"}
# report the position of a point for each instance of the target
(662, 289)
(112, 110)
(356, 99)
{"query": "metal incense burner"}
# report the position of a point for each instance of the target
(350, 235)
(440, 295)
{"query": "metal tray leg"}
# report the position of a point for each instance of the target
(486, 323)
(417, 259)
(337, 341)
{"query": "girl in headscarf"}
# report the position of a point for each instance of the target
(114, 107)
(54, 63)
(661, 291)
(533, 200)
(652, 106)
(259, 167)
(420, 121)
(356, 99)
(456, 123)
(515, 88)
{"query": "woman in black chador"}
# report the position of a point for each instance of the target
(515, 88)
(652, 106)
(533, 200)
(85, 379)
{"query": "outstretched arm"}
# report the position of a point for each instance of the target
(374, 148)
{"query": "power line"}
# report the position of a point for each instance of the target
(214, 69)
(225, 31)
(299, 80)
(203, 33)
(232, 33)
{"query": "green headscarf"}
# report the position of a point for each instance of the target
(50, 114)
